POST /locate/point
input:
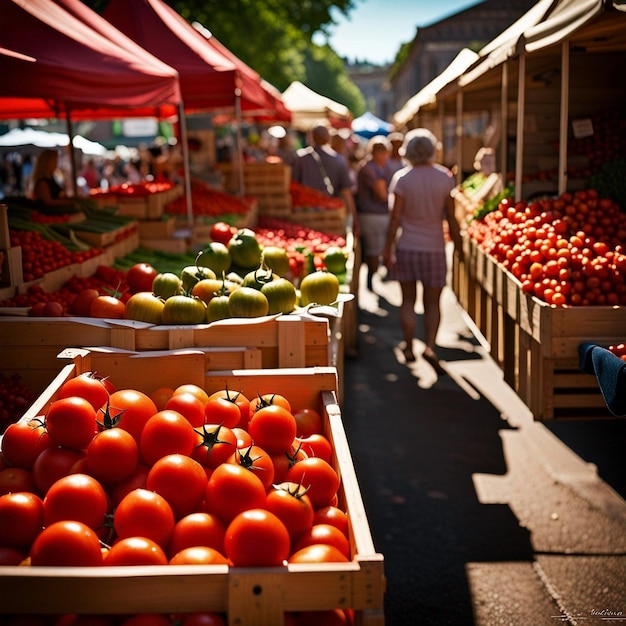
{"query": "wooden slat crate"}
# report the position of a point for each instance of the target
(536, 344)
(249, 596)
(332, 221)
(30, 345)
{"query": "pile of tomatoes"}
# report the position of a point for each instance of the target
(178, 476)
(207, 201)
(567, 251)
(40, 256)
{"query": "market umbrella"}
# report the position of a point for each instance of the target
(53, 64)
(19, 137)
(309, 107)
(368, 126)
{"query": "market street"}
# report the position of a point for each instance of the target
(484, 517)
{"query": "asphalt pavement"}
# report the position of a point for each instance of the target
(484, 516)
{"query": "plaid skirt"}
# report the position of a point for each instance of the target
(429, 268)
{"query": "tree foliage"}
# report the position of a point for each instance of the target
(275, 38)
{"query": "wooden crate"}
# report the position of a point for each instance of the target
(102, 240)
(30, 345)
(157, 229)
(332, 221)
(249, 596)
(536, 344)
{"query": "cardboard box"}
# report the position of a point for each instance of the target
(249, 596)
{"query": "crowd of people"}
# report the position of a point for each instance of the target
(397, 199)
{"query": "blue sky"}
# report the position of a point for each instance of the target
(377, 28)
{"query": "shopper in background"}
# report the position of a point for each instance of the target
(322, 168)
(46, 188)
(395, 161)
(415, 245)
(372, 202)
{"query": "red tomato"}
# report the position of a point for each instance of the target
(71, 422)
(221, 232)
(197, 529)
(239, 399)
(131, 409)
(81, 305)
(66, 543)
(54, 463)
(200, 619)
(139, 277)
(88, 386)
(243, 437)
(14, 479)
(232, 489)
(112, 456)
(189, 406)
(135, 551)
(11, 556)
(137, 480)
(166, 432)
(292, 506)
(21, 519)
(160, 396)
(317, 445)
(199, 555)
(180, 480)
(76, 497)
(214, 444)
(308, 422)
(257, 538)
(318, 553)
(107, 307)
(144, 513)
(197, 391)
(256, 460)
(219, 410)
(284, 460)
(273, 428)
(22, 442)
(324, 534)
(320, 478)
(334, 516)
(267, 399)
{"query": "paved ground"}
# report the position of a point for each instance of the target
(484, 516)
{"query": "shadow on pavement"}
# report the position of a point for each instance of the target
(416, 442)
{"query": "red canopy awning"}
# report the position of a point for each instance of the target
(52, 62)
(274, 108)
(209, 80)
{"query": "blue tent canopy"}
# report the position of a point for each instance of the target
(368, 126)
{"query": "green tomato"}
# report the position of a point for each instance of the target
(184, 310)
(320, 287)
(258, 277)
(247, 302)
(193, 274)
(216, 257)
(166, 285)
(245, 250)
(217, 309)
(144, 306)
(281, 295)
(335, 260)
(276, 259)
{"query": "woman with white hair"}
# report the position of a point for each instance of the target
(415, 244)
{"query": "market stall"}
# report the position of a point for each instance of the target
(547, 86)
